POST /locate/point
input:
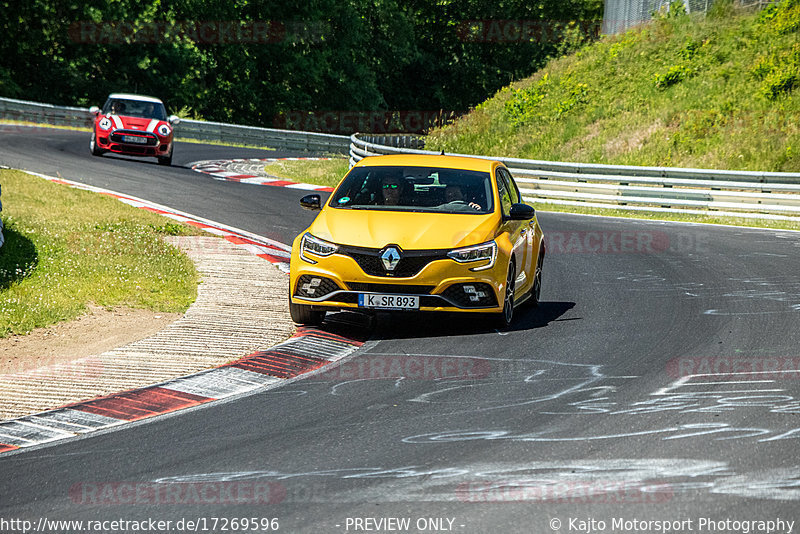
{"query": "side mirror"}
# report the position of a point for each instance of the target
(311, 202)
(521, 212)
(94, 109)
(174, 119)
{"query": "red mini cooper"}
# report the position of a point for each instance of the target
(133, 125)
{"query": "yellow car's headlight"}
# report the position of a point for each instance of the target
(316, 247)
(482, 252)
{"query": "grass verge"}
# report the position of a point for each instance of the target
(318, 172)
(66, 248)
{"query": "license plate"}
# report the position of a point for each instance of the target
(134, 139)
(388, 302)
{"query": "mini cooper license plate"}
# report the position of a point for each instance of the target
(388, 302)
(134, 139)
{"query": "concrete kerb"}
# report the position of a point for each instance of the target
(218, 350)
(251, 171)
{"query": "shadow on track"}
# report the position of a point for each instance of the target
(148, 160)
(402, 325)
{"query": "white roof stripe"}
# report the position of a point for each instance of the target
(128, 96)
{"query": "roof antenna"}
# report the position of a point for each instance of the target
(442, 154)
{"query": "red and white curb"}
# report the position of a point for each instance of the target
(308, 350)
(230, 170)
(273, 251)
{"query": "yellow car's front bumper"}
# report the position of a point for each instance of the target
(442, 284)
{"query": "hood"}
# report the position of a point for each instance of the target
(135, 123)
(376, 229)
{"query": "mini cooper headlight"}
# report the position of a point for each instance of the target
(315, 246)
(104, 123)
(482, 252)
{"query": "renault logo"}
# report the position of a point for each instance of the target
(390, 258)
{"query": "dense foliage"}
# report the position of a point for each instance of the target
(246, 61)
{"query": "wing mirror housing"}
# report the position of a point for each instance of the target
(174, 119)
(521, 212)
(311, 202)
(94, 109)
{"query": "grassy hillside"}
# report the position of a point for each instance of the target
(719, 91)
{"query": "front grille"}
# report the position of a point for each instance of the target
(116, 137)
(311, 286)
(432, 301)
(471, 295)
(390, 288)
(133, 149)
(411, 263)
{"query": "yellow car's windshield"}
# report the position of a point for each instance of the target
(422, 189)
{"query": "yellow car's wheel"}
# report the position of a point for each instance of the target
(507, 315)
(303, 314)
(537, 281)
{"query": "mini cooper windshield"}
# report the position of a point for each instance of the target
(419, 189)
(136, 108)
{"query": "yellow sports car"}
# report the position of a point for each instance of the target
(418, 233)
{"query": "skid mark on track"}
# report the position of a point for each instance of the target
(575, 481)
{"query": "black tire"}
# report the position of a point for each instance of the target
(505, 317)
(166, 160)
(93, 147)
(303, 314)
(536, 291)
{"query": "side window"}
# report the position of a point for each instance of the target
(505, 194)
(513, 190)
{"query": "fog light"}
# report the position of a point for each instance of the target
(473, 294)
(310, 287)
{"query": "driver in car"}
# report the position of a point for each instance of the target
(453, 193)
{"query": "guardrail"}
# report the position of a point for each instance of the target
(34, 112)
(741, 193)
(738, 193)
